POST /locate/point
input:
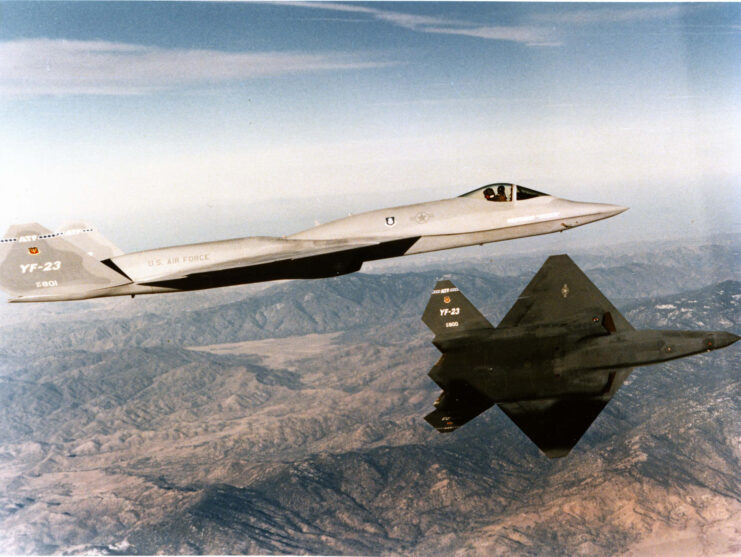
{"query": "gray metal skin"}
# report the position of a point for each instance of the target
(77, 263)
(553, 363)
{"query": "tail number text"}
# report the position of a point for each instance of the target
(43, 267)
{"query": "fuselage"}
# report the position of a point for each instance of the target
(405, 230)
(489, 214)
(543, 362)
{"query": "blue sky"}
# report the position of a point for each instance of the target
(170, 122)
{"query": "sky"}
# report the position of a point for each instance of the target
(164, 123)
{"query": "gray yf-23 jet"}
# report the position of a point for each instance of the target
(552, 364)
(37, 265)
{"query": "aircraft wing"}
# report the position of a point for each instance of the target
(559, 290)
(555, 425)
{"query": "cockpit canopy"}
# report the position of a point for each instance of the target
(503, 192)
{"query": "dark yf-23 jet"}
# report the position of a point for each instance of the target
(552, 364)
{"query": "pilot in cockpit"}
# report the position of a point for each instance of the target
(499, 196)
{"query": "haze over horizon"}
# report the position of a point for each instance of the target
(167, 123)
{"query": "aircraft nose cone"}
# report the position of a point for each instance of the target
(612, 210)
(721, 340)
(726, 339)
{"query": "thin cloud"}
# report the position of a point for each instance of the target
(527, 35)
(530, 36)
(62, 67)
(614, 15)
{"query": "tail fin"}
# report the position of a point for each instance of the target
(37, 264)
(458, 404)
(89, 240)
(560, 291)
(449, 313)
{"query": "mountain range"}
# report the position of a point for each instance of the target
(287, 418)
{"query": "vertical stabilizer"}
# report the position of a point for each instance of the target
(89, 240)
(36, 263)
(450, 313)
(558, 292)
